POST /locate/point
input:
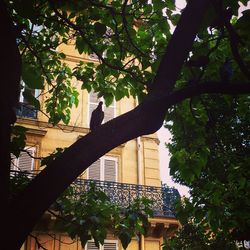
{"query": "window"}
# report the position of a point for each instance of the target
(108, 245)
(109, 112)
(24, 162)
(25, 108)
(104, 169)
(34, 92)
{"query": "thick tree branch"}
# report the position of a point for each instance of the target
(207, 88)
(182, 39)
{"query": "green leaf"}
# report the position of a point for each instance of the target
(108, 97)
(81, 46)
(100, 28)
(28, 95)
(125, 239)
(18, 137)
(32, 76)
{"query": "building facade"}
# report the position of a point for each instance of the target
(133, 166)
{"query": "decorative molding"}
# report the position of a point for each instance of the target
(45, 125)
(152, 138)
(38, 132)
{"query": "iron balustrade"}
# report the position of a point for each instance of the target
(163, 198)
(26, 110)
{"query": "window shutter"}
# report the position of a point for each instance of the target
(93, 103)
(14, 162)
(24, 162)
(110, 246)
(109, 170)
(91, 246)
(95, 170)
(109, 113)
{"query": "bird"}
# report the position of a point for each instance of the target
(96, 117)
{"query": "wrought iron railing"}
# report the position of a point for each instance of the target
(26, 110)
(163, 198)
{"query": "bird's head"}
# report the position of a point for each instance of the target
(100, 103)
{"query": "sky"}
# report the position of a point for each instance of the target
(165, 137)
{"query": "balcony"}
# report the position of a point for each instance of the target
(163, 198)
(26, 110)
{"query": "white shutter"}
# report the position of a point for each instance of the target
(14, 162)
(93, 98)
(109, 169)
(24, 162)
(104, 169)
(110, 246)
(109, 113)
(93, 103)
(94, 170)
(91, 246)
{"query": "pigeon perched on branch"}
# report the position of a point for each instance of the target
(96, 117)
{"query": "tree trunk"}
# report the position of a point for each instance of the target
(10, 79)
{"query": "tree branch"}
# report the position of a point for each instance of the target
(212, 87)
(172, 61)
(91, 46)
(234, 41)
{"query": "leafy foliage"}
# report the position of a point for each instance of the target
(18, 139)
(112, 32)
(46, 160)
(193, 236)
(90, 214)
(210, 154)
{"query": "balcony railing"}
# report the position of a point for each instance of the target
(26, 110)
(163, 198)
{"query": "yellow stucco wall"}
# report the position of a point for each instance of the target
(53, 241)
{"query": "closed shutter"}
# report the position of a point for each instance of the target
(93, 103)
(109, 170)
(14, 161)
(91, 246)
(109, 112)
(110, 246)
(95, 170)
(24, 162)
